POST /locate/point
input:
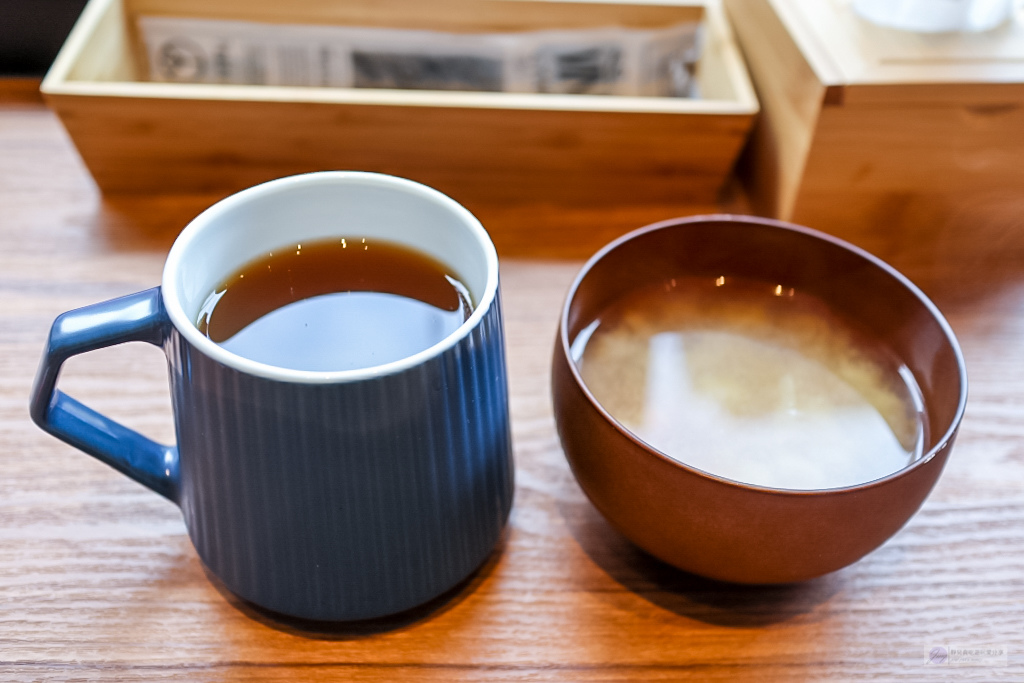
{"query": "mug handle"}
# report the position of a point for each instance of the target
(136, 317)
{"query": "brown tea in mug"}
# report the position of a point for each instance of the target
(753, 381)
(337, 304)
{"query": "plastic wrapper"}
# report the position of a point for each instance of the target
(607, 61)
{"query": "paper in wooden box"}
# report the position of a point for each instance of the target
(137, 135)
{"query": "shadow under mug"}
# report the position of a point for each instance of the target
(319, 495)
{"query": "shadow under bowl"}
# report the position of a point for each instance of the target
(713, 526)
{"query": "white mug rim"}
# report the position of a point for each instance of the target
(188, 330)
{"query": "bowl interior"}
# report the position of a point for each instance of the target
(865, 293)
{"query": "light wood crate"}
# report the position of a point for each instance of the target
(136, 135)
(863, 125)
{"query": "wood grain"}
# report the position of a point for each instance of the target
(869, 126)
(791, 96)
(843, 48)
(477, 155)
(20, 90)
(451, 15)
(138, 136)
(98, 580)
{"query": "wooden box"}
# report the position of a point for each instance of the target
(136, 135)
(863, 125)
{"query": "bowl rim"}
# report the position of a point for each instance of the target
(940, 445)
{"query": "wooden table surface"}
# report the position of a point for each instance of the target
(98, 580)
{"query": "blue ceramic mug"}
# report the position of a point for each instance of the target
(320, 495)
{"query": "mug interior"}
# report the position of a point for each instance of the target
(866, 293)
(316, 206)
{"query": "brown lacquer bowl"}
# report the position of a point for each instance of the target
(711, 525)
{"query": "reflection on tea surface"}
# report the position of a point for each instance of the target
(336, 304)
(752, 381)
